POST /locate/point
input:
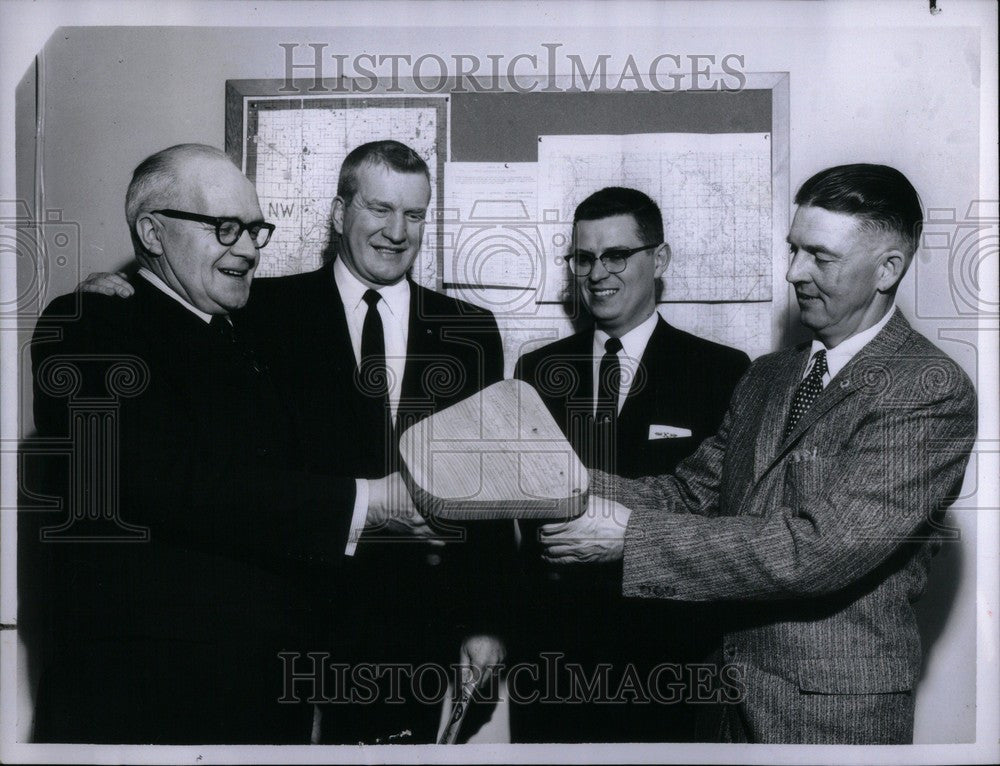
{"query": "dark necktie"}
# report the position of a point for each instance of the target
(609, 380)
(223, 327)
(609, 375)
(808, 391)
(226, 329)
(373, 371)
(374, 378)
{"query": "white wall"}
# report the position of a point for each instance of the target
(898, 92)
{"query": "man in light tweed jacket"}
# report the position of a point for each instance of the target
(812, 515)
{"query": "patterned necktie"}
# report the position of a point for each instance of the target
(808, 391)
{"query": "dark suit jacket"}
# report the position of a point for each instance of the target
(399, 601)
(819, 543)
(173, 636)
(682, 381)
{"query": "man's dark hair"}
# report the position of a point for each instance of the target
(617, 200)
(392, 154)
(881, 197)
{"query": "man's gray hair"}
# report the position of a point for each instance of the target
(156, 184)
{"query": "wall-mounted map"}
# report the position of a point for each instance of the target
(294, 149)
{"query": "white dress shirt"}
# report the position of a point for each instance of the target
(394, 310)
(634, 344)
(838, 357)
(162, 286)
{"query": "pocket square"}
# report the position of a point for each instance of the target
(668, 432)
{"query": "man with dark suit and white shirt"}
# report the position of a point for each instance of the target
(634, 395)
(362, 352)
(172, 636)
(357, 351)
(812, 514)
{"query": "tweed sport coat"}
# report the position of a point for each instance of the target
(815, 546)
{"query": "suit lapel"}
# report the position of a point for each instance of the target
(175, 325)
(565, 382)
(867, 365)
(654, 368)
(582, 359)
(333, 324)
(776, 409)
(655, 392)
(422, 340)
(329, 343)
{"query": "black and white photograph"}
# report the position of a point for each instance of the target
(484, 382)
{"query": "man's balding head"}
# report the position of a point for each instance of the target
(171, 194)
(163, 180)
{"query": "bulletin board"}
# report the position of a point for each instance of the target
(509, 167)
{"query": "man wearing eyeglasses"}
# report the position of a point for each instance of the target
(198, 546)
(635, 396)
(810, 518)
(358, 352)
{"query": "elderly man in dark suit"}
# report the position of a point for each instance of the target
(634, 396)
(810, 516)
(199, 545)
(357, 352)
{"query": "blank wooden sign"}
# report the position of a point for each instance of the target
(496, 455)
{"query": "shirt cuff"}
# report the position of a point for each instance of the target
(359, 516)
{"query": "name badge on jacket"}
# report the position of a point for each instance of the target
(668, 432)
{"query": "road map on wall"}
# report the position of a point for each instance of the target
(714, 191)
(294, 150)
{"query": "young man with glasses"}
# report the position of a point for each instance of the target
(634, 396)
(810, 518)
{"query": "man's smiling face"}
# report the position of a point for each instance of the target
(214, 278)
(382, 226)
(619, 302)
(836, 271)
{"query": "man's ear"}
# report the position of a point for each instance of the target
(661, 259)
(891, 267)
(148, 229)
(337, 214)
